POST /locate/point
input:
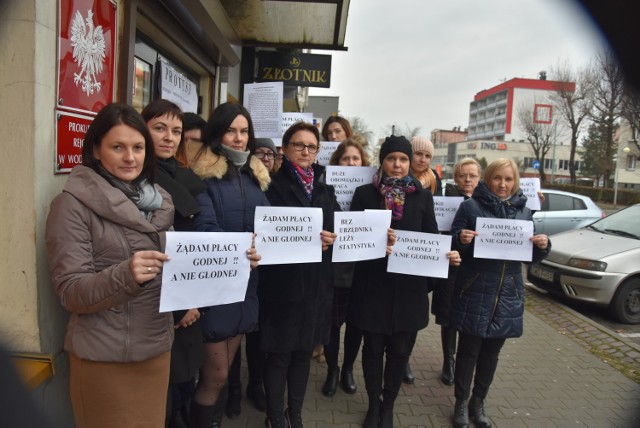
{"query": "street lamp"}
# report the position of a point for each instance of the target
(615, 175)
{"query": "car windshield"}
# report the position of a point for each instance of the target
(625, 222)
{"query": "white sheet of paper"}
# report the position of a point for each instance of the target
(326, 150)
(345, 179)
(361, 235)
(445, 208)
(502, 239)
(288, 235)
(264, 102)
(530, 187)
(206, 269)
(288, 119)
(420, 254)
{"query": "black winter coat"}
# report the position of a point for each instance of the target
(295, 299)
(489, 294)
(187, 352)
(383, 302)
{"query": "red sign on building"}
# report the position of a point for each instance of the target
(70, 130)
(86, 54)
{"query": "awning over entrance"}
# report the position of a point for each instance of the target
(319, 24)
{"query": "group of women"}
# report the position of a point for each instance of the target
(144, 175)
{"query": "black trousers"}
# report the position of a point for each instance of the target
(475, 354)
(385, 377)
(286, 370)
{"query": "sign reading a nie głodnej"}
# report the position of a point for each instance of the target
(295, 69)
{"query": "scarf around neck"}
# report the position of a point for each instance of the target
(394, 192)
(143, 194)
(304, 176)
(237, 157)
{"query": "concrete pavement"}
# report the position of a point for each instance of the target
(547, 378)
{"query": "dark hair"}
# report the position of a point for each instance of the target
(162, 107)
(219, 122)
(300, 126)
(342, 121)
(349, 142)
(113, 115)
(193, 121)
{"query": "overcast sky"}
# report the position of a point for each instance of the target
(421, 62)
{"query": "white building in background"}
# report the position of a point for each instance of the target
(493, 112)
(494, 130)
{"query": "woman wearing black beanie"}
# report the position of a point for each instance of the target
(390, 308)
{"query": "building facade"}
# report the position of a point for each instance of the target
(493, 113)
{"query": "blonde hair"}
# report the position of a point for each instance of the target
(464, 162)
(501, 163)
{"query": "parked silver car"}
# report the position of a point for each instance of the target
(599, 264)
(565, 211)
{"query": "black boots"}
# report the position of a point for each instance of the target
(255, 394)
(234, 399)
(205, 416)
(331, 383)
(476, 412)
(372, 419)
(448, 338)
(294, 419)
(347, 381)
(276, 421)
(461, 414)
(408, 377)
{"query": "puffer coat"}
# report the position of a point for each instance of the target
(229, 205)
(489, 294)
(92, 230)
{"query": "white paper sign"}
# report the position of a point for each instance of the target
(205, 269)
(326, 150)
(264, 102)
(445, 208)
(530, 187)
(177, 88)
(420, 254)
(361, 235)
(287, 235)
(502, 239)
(345, 180)
(288, 119)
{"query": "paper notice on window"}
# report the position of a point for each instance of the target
(345, 180)
(445, 208)
(530, 187)
(287, 235)
(264, 103)
(361, 235)
(501, 239)
(205, 269)
(420, 254)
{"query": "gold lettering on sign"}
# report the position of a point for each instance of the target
(287, 74)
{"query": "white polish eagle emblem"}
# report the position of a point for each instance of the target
(88, 51)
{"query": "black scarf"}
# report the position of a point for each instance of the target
(182, 184)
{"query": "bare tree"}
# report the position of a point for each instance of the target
(406, 130)
(607, 100)
(631, 109)
(540, 134)
(359, 127)
(572, 99)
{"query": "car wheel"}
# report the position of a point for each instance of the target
(625, 305)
